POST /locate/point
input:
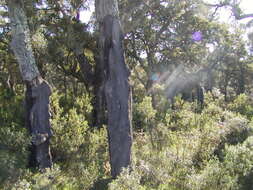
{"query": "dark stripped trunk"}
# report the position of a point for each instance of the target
(241, 81)
(209, 82)
(28, 106)
(37, 92)
(99, 101)
(225, 87)
(117, 91)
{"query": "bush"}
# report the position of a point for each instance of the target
(77, 148)
(127, 180)
(243, 105)
(234, 173)
(51, 179)
(14, 139)
(143, 114)
(176, 149)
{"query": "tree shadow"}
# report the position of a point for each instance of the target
(101, 184)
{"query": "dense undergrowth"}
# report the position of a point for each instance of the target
(180, 149)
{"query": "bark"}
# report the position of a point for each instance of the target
(235, 10)
(99, 94)
(209, 81)
(106, 7)
(96, 80)
(86, 70)
(37, 121)
(37, 91)
(85, 66)
(116, 86)
(28, 106)
(21, 43)
(225, 87)
(241, 81)
(240, 17)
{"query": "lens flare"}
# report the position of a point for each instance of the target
(197, 36)
(155, 77)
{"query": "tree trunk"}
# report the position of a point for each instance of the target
(116, 86)
(241, 80)
(209, 81)
(37, 91)
(99, 101)
(21, 43)
(28, 106)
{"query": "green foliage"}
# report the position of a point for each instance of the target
(243, 105)
(208, 150)
(14, 139)
(11, 109)
(12, 166)
(143, 114)
(184, 149)
(75, 147)
(173, 149)
(69, 129)
(127, 180)
(51, 179)
(235, 172)
(80, 154)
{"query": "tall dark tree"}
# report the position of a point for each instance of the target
(116, 85)
(37, 89)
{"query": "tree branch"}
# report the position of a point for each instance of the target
(240, 17)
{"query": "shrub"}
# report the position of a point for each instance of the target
(143, 114)
(14, 139)
(127, 180)
(243, 105)
(233, 173)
